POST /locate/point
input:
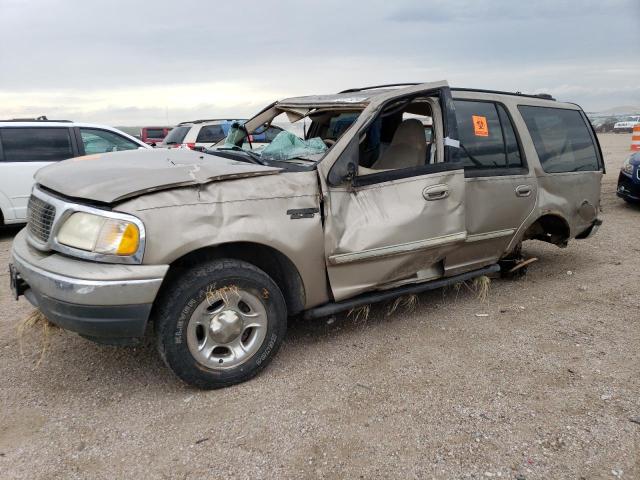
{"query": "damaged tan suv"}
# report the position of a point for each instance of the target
(391, 190)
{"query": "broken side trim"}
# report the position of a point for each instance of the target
(379, 296)
(342, 258)
(478, 237)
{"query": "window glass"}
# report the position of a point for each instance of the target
(480, 132)
(176, 135)
(36, 144)
(155, 133)
(561, 138)
(514, 159)
(102, 141)
(210, 134)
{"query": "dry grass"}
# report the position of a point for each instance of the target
(35, 320)
(360, 314)
(479, 287)
(222, 293)
(407, 302)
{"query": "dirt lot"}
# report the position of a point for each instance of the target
(542, 388)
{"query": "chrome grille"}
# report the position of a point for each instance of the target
(40, 217)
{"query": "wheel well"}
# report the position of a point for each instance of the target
(274, 263)
(549, 228)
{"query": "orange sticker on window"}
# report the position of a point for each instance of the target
(480, 126)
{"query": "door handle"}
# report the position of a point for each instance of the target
(437, 192)
(523, 190)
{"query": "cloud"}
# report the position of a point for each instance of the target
(88, 59)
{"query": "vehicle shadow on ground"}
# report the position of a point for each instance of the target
(7, 232)
(87, 366)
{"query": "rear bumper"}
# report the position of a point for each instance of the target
(99, 301)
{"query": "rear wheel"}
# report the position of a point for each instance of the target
(512, 260)
(220, 323)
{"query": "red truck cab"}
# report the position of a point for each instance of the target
(153, 135)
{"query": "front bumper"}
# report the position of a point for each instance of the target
(104, 302)
(628, 188)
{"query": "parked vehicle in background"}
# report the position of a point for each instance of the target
(26, 145)
(629, 179)
(389, 191)
(153, 135)
(203, 134)
(604, 125)
(626, 126)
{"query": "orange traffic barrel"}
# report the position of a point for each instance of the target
(635, 138)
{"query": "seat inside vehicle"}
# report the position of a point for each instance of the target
(401, 137)
(408, 147)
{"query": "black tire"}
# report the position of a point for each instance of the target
(510, 261)
(181, 297)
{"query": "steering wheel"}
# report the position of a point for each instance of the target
(329, 142)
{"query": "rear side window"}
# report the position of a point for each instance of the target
(176, 135)
(562, 139)
(486, 134)
(103, 141)
(210, 134)
(155, 133)
(36, 144)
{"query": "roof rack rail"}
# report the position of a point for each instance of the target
(41, 118)
(544, 96)
(209, 120)
(351, 90)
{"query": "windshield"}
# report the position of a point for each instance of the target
(307, 138)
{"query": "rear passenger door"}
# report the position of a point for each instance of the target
(24, 151)
(500, 188)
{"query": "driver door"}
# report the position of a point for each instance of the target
(392, 227)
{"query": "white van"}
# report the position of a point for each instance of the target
(27, 145)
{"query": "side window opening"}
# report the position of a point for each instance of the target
(36, 144)
(561, 138)
(482, 142)
(210, 134)
(103, 141)
(400, 137)
(512, 148)
(487, 138)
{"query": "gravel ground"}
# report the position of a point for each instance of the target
(543, 387)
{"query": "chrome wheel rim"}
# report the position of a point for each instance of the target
(227, 328)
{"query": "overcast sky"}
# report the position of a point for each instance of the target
(157, 62)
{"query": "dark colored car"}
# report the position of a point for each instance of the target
(629, 179)
(153, 135)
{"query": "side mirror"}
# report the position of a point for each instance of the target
(152, 144)
(345, 168)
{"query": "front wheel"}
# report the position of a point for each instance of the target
(220, 323)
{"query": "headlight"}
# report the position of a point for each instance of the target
(627, 167)
(104, 235)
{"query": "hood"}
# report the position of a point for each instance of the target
(112, 177)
